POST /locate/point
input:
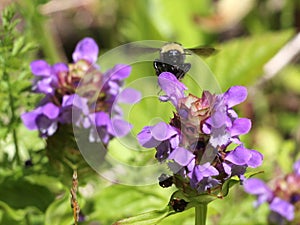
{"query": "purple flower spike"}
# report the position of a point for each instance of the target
(195, 142)
(72, 99)
(283, 198)
(86, 49)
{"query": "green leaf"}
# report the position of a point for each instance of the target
(241, 61)
(117, 201)
(19, 194)
(59, 212)
(228, 184)
(148, 218)
(10, 213)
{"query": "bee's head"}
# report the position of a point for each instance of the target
(172, 53)
(172, 46)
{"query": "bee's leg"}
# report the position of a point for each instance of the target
(183, 70)
(186, 67)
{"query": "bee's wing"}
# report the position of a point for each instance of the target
(202, 51)
(131, 53)
(138, 49)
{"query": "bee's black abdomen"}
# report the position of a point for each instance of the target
(178, 70)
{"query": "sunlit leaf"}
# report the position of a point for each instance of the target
(59, 212)
(240, 61)
(19, 193)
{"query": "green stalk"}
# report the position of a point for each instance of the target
(40, 29)
(13, 117)
(200, 214)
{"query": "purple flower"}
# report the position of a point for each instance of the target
(46, 76)
(282, 200)
(86, 49)
(44, 118)
(223, 125)
(195, 142)
(173, 88)
(80, 94)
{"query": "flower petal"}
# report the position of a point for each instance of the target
(60, 67)
(283, 208)
(162, 131)
(121, 127)
(256, 186)
(145, 138)
(235, 95)
(50, 110)
(181, 156)
(173, 88)
(29, 119)
(256, 159)
(40, 68)
(86, 49)
(130, 96)
(240, 126)
(118, 72)
(207, 170)
(239, 156)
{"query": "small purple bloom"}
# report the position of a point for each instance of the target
(173, 88)
(151, 137)
(44, 118)
(283, 198)
(86, 49)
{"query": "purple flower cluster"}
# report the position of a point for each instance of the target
(195, 143)
(283, 198)
(79, 93)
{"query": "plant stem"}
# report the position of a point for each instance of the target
(200, 214)
(40, 29)
(13, 117)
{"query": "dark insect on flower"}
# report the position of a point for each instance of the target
(178, 204)
(165, 180)
(74, 202)
(172, 59)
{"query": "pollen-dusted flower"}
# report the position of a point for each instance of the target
(283, 198)
(195, 143)
(81, 94)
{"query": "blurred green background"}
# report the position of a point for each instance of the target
(247, 34)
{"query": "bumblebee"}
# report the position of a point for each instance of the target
(172, 58)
